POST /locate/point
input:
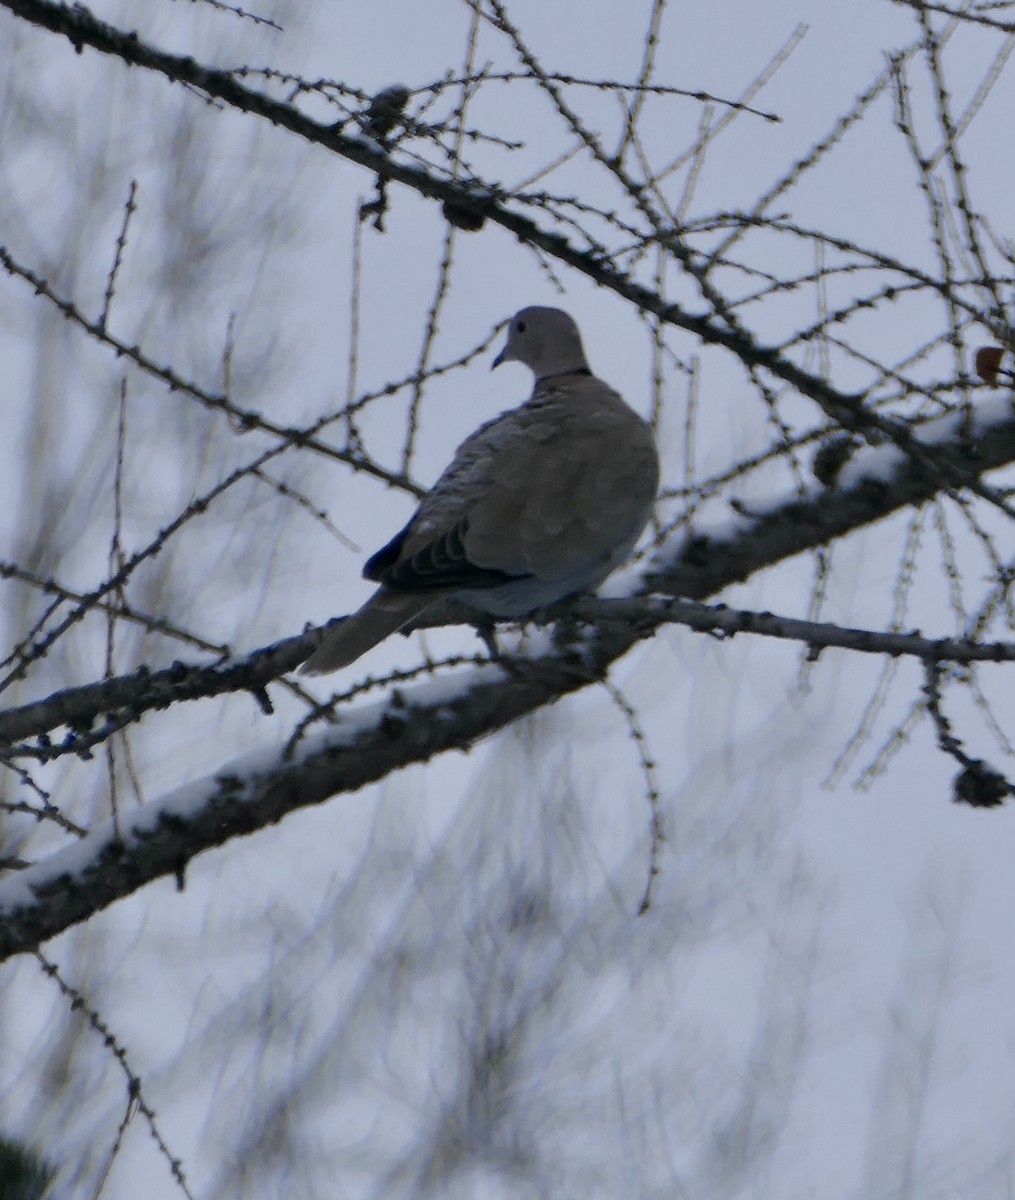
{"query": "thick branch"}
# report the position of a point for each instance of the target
(698, 569)
(245, 796)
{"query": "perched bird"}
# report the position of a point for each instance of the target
(538, 504)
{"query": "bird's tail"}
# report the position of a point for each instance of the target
(383, 614)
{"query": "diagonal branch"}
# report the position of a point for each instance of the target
(81, 28)
(246, 795)
(695, 569)
(261, 789)
(112, 862)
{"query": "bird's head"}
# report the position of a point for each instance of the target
(546, 340)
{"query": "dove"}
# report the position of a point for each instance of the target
(540, 503)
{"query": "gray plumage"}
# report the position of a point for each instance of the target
(538, 504)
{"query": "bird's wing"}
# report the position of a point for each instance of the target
(543, 491)
(576, 483)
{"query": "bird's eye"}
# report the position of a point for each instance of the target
(520, 327)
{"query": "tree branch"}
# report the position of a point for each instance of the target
(694, 569)
(258, 790)
(81, 28)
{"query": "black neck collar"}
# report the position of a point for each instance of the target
(562, 375)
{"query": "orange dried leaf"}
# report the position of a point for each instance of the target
(988, 362)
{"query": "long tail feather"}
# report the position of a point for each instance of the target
(383, 614)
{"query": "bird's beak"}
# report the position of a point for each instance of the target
(499, 359)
